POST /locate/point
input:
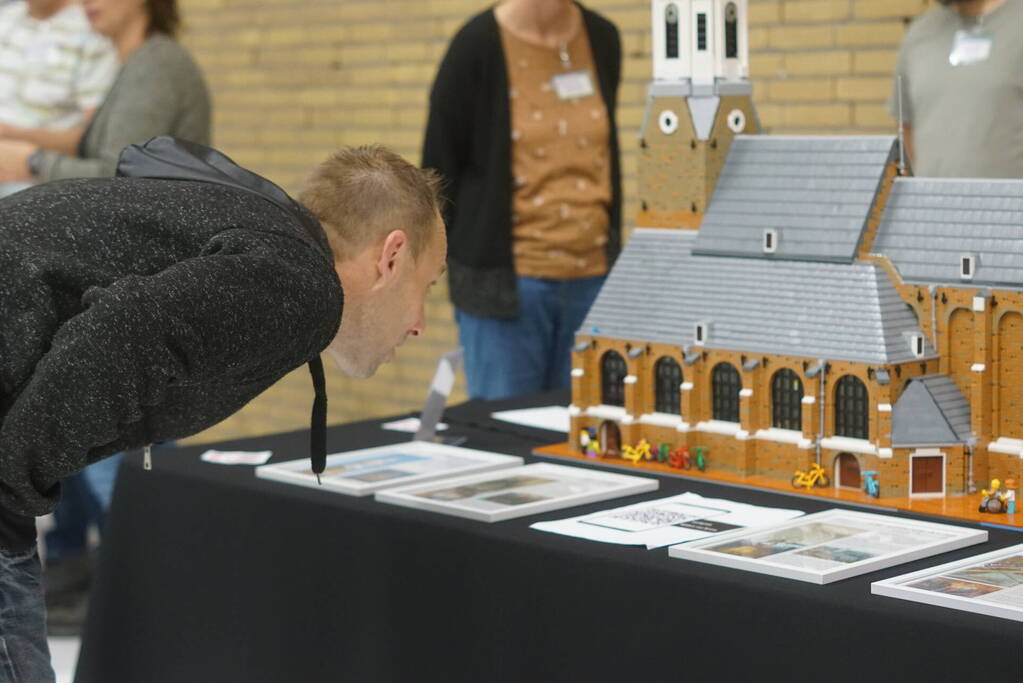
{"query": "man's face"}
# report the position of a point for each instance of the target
(380, 314)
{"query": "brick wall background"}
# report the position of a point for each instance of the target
(291, 79)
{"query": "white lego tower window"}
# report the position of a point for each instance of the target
(701, 41)
(671, 40)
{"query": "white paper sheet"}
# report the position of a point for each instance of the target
(554, 418)
(667, 521)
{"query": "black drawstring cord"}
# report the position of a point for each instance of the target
(318, 427)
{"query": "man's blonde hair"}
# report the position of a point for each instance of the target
(360, 194)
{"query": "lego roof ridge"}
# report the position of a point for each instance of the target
(772, 136)
(969, 181)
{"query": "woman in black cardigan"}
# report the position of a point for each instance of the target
(522, 128)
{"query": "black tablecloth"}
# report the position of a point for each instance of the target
(210, 574)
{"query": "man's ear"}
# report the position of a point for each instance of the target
(393, 250)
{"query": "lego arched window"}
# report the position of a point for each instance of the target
(731, 31)
(667, 378)
(725, 387)
(612, 379)
(786, 400)
(851, 408)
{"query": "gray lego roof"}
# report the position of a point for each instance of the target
(929, 224)
(932, 411)
(817, 192)
(657, 292)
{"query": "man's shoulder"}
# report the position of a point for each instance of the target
(926, 25)
(1011, 12)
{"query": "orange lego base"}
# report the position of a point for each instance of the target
(955, 507)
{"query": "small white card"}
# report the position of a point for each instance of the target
(554, 418)
(236, 457)
(409, 425)
(969, 48)
(573, 85)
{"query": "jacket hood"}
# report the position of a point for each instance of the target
(168, 158)
(173, 159)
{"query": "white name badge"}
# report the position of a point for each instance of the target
(969, 48)
(573, 85)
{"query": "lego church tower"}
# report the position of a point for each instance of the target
(700, 98)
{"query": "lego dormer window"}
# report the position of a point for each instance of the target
(731, 31)
(770, 241)
(612, 379)
(916, 345)
(786, 400)
(667, 378)
(967, 266)
(701, 32)
(700, 333)
(851, 408)
(725, 387)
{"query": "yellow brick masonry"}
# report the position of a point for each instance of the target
(293, 78)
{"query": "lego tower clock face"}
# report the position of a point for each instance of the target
(668, 122)
(737, 120)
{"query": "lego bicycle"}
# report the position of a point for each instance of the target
(816, 476)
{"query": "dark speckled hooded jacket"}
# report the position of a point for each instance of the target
(137, 310)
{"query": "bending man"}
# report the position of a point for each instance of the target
(147, 308)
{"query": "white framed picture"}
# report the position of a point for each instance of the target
(368, 470)
(517, 492)
(829, 546)
(990, 584)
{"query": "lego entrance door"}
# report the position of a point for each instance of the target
(848, 469)
(610, 438)
(927, 475)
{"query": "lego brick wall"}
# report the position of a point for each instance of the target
(293, 78)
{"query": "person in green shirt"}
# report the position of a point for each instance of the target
(961, 82)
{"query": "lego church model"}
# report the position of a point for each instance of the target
(791, 300)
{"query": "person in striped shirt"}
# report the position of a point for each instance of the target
(54, 73)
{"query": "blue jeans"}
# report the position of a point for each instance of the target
(85, 497)
(24, 652)
(531, 352)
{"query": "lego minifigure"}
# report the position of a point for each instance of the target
(1010, 496)
(588, 442)
(994, 500)
(584, 439)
